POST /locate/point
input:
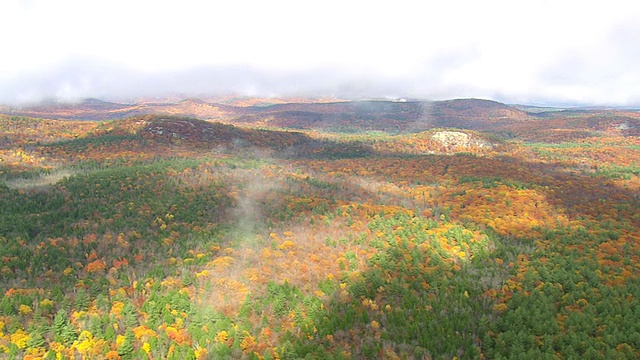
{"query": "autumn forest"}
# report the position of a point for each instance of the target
(246, 229)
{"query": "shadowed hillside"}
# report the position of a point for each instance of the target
(392, 117)
(476, 114)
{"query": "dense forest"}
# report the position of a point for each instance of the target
(167, 237)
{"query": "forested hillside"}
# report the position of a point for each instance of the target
(492, 234)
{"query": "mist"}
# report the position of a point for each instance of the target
(81, 78)
(535, 52)
(78, 79)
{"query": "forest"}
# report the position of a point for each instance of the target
(171, 237)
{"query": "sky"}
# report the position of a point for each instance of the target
(544, 52)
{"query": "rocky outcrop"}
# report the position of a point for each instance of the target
(454, 139)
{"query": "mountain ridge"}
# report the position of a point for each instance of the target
(351, 116)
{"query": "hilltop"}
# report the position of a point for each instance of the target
(393, 117)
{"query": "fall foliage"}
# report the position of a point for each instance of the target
(162, 237)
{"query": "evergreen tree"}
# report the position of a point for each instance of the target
(62, 328)
(125, 350)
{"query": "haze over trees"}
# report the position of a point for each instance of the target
(239, 228)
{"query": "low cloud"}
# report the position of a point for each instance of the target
(551, 51)
(83, 78)
(577, 76)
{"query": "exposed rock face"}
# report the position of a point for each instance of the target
(458, 139)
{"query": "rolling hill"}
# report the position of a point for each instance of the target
(465, 229)
(361, 116)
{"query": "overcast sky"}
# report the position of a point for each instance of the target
(536, 52)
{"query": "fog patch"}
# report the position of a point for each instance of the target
(40, 182)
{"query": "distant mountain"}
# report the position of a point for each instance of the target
(88, 109)
(528, 123)
(339, 116)
(476, 114)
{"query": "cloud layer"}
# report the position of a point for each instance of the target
(532, 52)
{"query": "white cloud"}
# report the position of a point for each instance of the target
(569, 50)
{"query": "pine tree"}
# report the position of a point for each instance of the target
(62, 327)
(36, 340)
(125, 350)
